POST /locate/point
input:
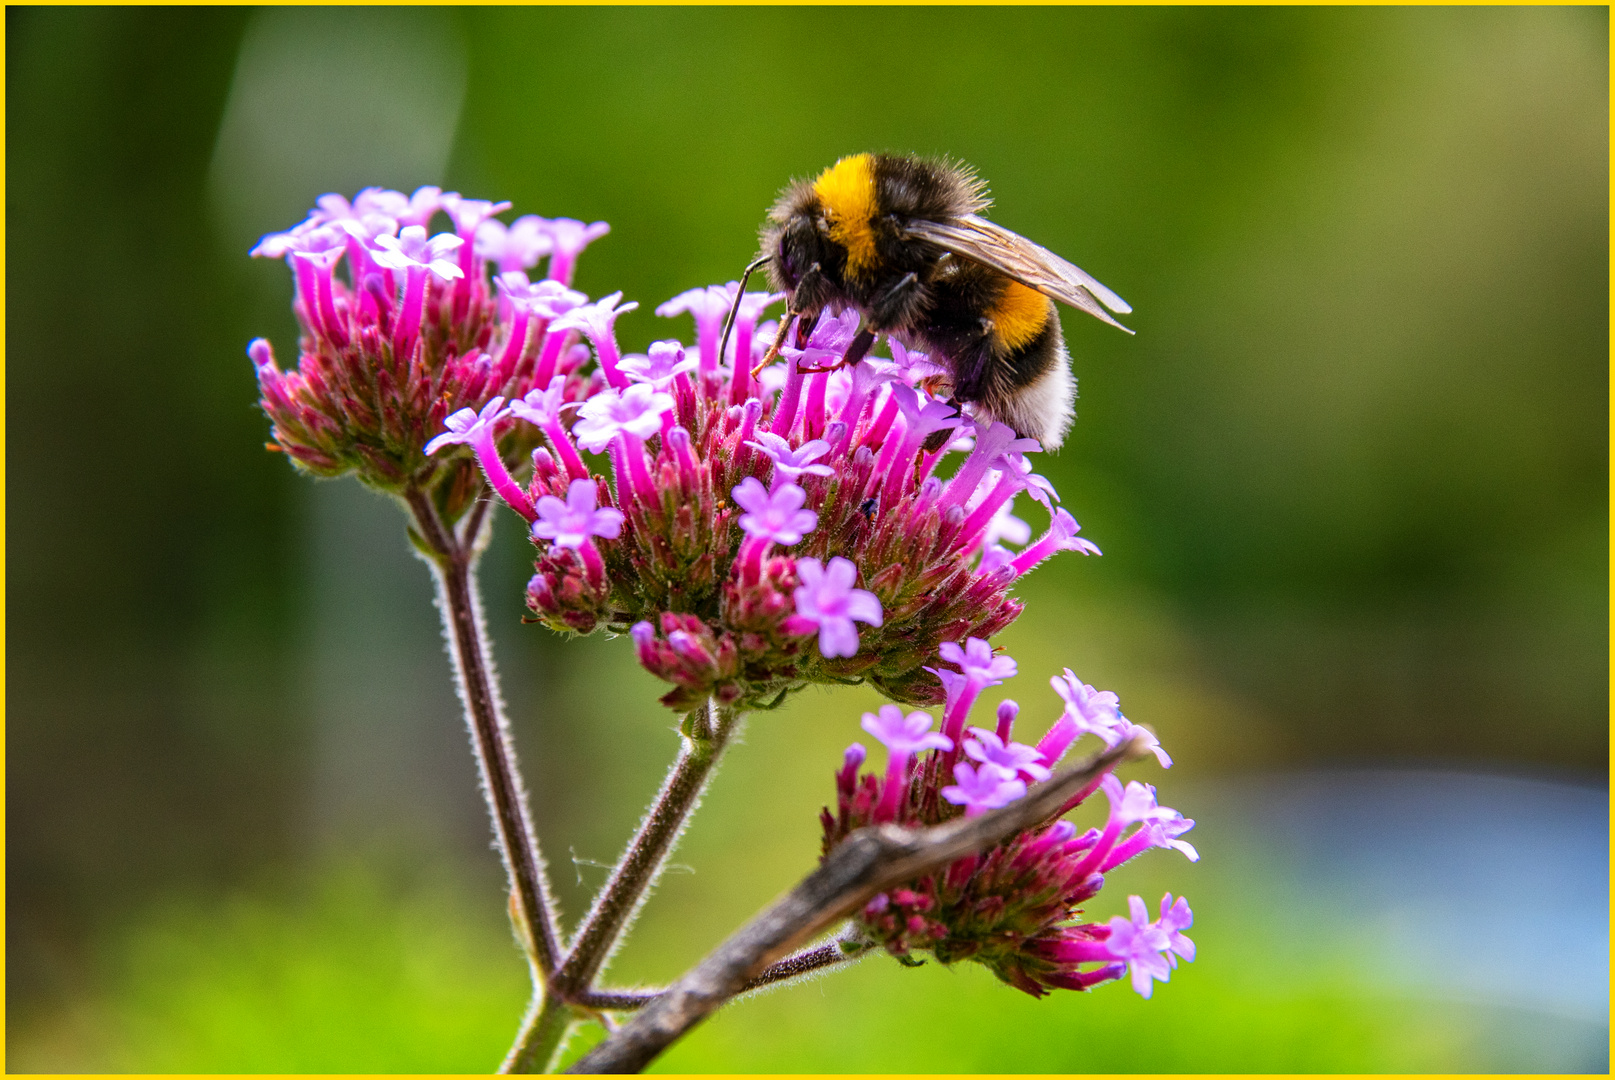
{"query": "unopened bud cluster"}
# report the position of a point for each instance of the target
(1015, 907)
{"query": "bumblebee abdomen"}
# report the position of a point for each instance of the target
(1019, 315)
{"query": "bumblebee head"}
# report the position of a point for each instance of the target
(797, 236)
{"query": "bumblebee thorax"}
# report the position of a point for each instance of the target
(847, 192)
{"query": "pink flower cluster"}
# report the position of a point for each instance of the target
(414, 333)
(758, 534)
(1012, 908)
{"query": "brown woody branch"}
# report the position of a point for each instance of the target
(868, 861)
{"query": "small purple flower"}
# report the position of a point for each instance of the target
(906, 735)
(989, 451)
(775, 516)
(923, 416)
(978, 663)
(1159, 826)
(709, 304)
(546, 299)
(469, 214)
(599, 321)
(543, 407)
(980, 790)
(367, 228)
(979, 670)
(1014, 758)
(476, 430)
(1130, 730)
(1096, 712)
(790, 463)
(568, 238)
(326, 239)
(1176, 918)
(278, 245)
(370, 201)
(572, 523)
(467, 426)
(1135, 802)
(827, 599)
(1164, 830)
(517, 247)
(1141, 944)
(411, 249)
(913, 366)
(636, 411)
(752, 304)
(329, 209)
(1062, 536)
(1037, 486)
(665, 360)
(423, 203)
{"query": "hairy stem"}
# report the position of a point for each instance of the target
(797, 964)
(453, 563)
(544, 1032)
(706, 734)
(866, 862)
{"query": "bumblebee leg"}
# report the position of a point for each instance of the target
(901, 305)
(857, 349)
(734, 309)
(804, 298)
(773, 350)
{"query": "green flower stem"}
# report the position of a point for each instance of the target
(705, 734)
(453, 560)
(549, 1022)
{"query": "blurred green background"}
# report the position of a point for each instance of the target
(1350, 477)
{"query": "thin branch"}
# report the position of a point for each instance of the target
(807, 961)
(617, 1000)
(868, 861)
(641, 863)
(452, 566)
(797, 964)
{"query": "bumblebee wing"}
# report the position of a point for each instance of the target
(979, 240)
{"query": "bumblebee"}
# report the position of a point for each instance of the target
(902, 239)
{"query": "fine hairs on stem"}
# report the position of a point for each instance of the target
(707, 732)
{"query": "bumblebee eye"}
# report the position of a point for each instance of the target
(790, 263)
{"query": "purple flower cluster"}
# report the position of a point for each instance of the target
(755, 524)
(802, 517)
(1013, 908)
(413, 338)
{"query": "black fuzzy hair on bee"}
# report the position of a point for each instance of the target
(902, 239)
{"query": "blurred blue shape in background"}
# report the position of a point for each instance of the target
(1482, 889)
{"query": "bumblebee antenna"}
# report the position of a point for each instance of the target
(734, 308)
